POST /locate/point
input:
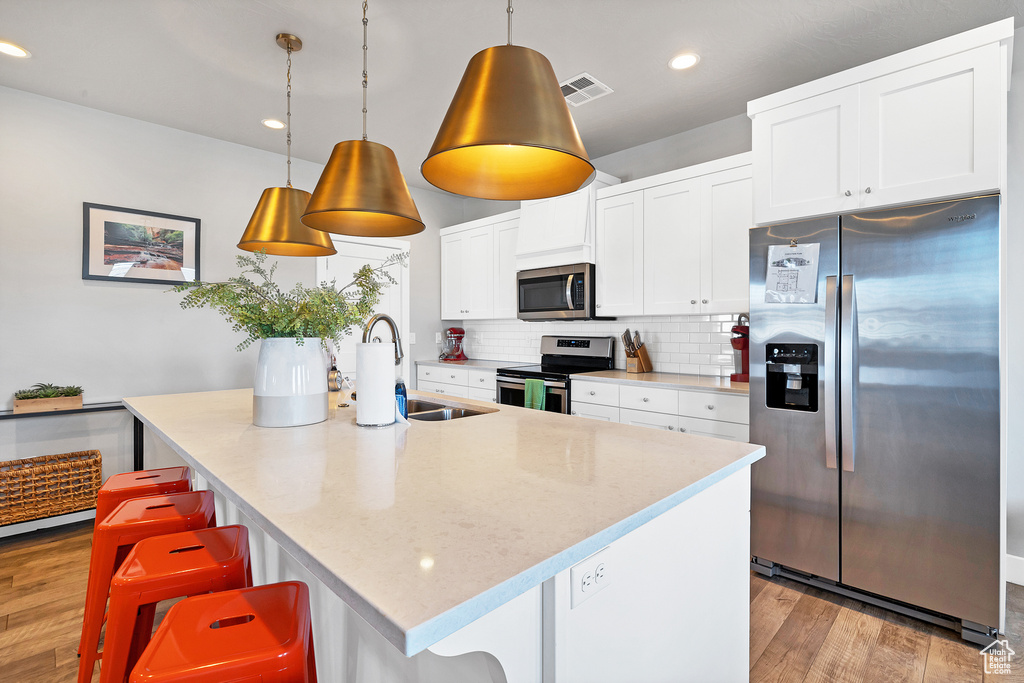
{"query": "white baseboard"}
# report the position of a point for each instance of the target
(1015, 569)
(59, 520)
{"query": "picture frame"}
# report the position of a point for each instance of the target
(132, 245)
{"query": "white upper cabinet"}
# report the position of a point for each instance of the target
(924, 124)
(676, 243)
(478, 276)
(620, 255)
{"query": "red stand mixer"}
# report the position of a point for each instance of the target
(452, 345)
(741, 345)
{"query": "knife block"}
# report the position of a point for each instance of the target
(640, 363)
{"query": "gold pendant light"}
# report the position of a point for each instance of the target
(275, 226)
(508, 133)
(362, 191)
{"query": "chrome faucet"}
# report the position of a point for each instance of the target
(399, 354)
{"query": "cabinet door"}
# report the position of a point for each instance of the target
(451, 277)
(726, 219)
(642, 418)
(506, 304)
(806, 157)
(620, 255)
(672, 248)
(593, 411)
(714, 428)
(478, 273)
(932, 130)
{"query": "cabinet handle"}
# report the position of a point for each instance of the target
(671, 428)
(427, 373)
(681, 429)
(599, 305)
(482, 379)
(646, 399)
(574, 412)
(867, 190)
(693, 301)
(710, 407)
(703, 301)
(593, 393)
(848, 193)
(452, 376)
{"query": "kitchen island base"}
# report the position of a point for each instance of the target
(675, 607)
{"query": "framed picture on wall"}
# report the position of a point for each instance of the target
(129, 245)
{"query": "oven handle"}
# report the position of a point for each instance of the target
(513, 381)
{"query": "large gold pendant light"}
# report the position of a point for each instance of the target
(508, 133)
(362, 192)
(276, 226)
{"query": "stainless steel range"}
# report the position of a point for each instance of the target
(561, 356)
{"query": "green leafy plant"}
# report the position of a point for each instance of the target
(255, 305)
(47, 391)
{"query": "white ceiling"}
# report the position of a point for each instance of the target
(212, 66)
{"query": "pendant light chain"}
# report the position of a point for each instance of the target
(364, 69)
(288, 122)
(509, 10)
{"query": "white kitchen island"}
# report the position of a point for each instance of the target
(445, 551)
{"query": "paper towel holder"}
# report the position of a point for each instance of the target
(399, 354)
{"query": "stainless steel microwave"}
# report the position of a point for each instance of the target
(559, 293)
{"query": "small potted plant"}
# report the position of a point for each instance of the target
(294, 329)
(46, 397)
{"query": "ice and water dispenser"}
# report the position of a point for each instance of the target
(792, 376)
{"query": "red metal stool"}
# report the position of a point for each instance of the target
(253, 634)
(129, 523)
(162, 568)
(121, 487)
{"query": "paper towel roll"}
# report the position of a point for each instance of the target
(375, 384)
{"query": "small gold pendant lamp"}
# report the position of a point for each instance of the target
(508, 133)
(275, 226)
(362, 192)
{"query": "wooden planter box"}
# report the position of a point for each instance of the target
(47, 405)
(49, 485)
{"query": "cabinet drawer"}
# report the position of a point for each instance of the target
(595, 411)
(481, 379)
(446, 389)
(648, 398)
(595, 392)
(711, 406)
(714, 428)
(482, 394)
(453, 375)
(642, 418)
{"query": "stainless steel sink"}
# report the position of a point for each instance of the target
(414, 405)
(444, 414)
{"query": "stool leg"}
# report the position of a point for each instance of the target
(121, 625)
(142, 635)
(101, 569)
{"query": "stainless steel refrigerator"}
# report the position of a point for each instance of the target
(874, 385)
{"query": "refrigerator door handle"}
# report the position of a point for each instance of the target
(829, 372)
(847, 336)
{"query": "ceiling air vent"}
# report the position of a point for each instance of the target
(583, 88)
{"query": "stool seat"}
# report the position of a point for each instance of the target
(130, 522)
(253, 634)
(126, 485)
(162, 568)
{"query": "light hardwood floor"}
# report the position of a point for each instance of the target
(797, 633)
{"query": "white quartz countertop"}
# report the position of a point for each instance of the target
(473, 363)
(424, 528)
(669, 379)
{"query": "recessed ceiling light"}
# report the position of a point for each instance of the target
(684, 61)
(13, 50)
(273, 123)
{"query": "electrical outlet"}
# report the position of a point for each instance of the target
(437, 337)
(589, 576)
(411, 337)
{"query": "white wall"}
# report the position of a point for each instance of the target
(125, 339)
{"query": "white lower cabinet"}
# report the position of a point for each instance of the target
(701, 413)
(457, 381)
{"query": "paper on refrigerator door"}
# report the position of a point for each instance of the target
(792, 274)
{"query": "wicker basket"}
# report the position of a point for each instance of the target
(49, 485)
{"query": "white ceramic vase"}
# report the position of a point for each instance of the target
(291, 384)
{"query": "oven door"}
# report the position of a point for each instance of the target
(512, 392)
(560, 293)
